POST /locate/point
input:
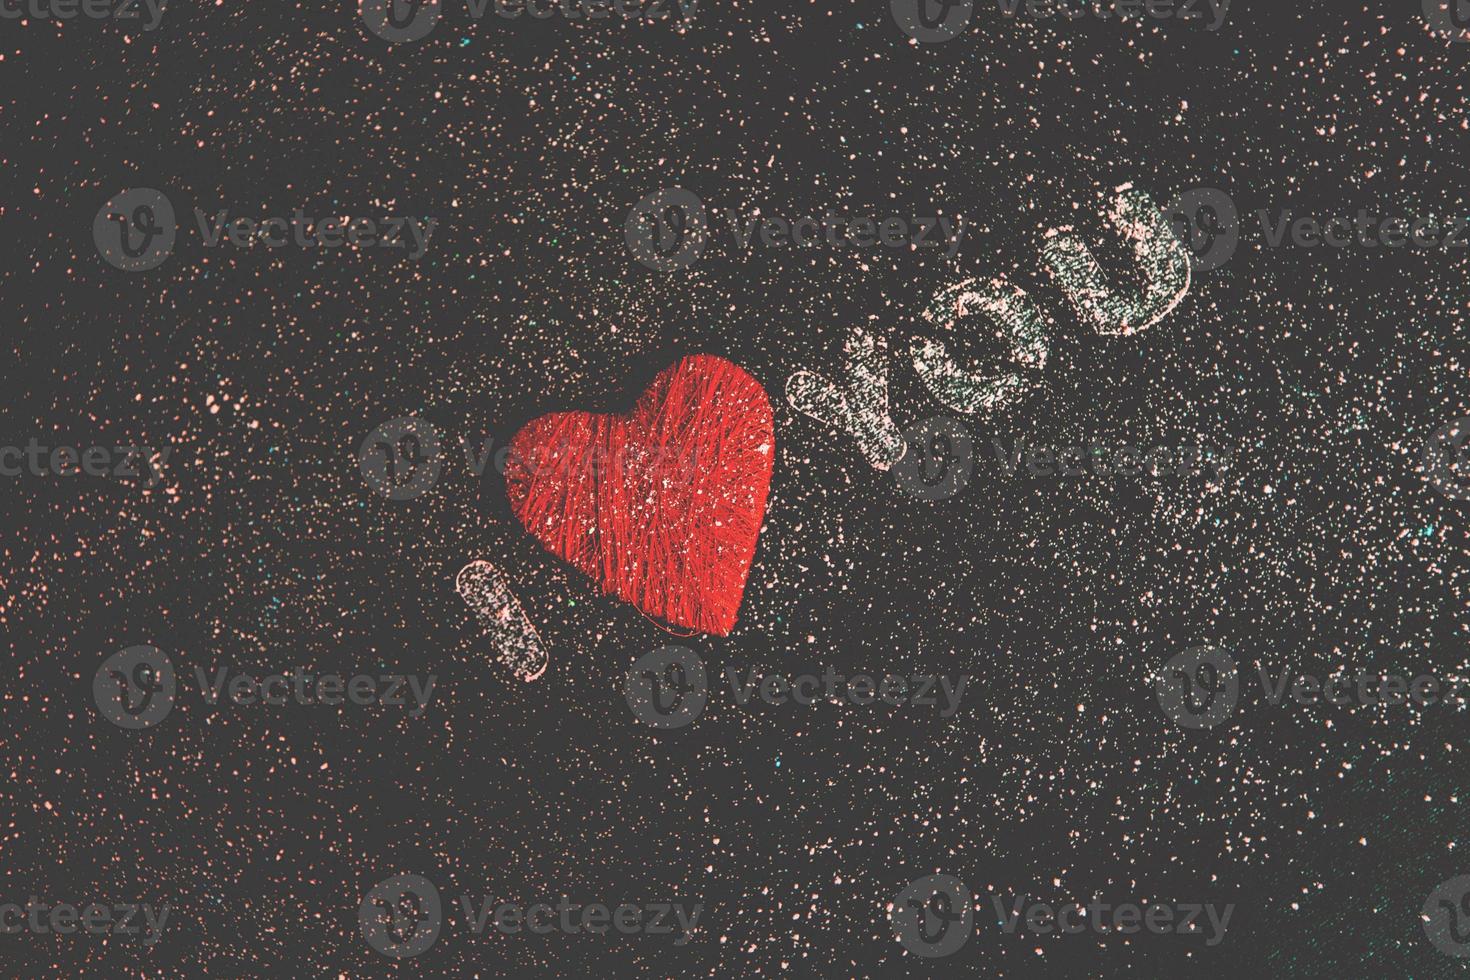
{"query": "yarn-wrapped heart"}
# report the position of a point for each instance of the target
(660, 507)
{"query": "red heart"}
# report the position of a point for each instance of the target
(662, 506)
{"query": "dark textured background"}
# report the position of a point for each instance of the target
(1319, 373)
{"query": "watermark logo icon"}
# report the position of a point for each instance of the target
(1199, 688)
(667, 230)
(932, 21)
(401, 916)
(135, 230)
(134, 688)
(1446, 917)
(401, 459)
(938, 461)
(934, 916)
(1449, 18)
(667, 688)
(396, 21)
(1447, 459)
(1207, 224)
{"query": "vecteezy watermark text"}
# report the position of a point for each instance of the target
(123, 10)
(95, 919)
(136, 688)
(669, 229)
(300, 686)
(397, 21)
(1097, 458)
(939, 460)
(669, 688)
(1208, 223)
(1201, 687)
(934, 917)
(859, 689)
(1181, 10)
(136, 230)
(937, 21)
(389, 231)
(1124, 918)
(847, 231)
(403, 458)
(132, 462)
(402, 916)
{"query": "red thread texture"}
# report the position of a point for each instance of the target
(660, 507)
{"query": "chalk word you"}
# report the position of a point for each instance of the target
(861, 407)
